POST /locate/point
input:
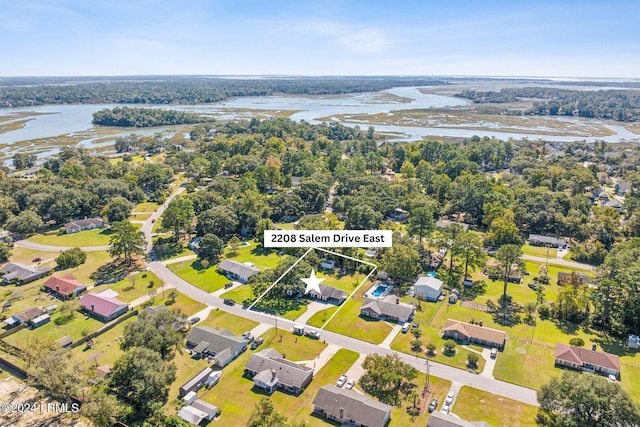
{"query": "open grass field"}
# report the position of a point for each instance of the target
(208, 280)
(261, 257)
(26, 256)
(106, 348)
(219, 319)
(238, 294)
(148, 207)
(134, 286)
(236, 397)
(294, 347)
(540, 251)
(349, 322)
(95, 237)
(187, 367)
(82, 272)
(477, 405)
(187, 305)
(74, 327)
(347, 283)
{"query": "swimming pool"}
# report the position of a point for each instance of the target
(432, 274)
(379, 290)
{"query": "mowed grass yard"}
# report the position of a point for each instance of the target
(106, 348)
(477, 405)
(95, 237)
(73, 327)
(209, 280)
(146, 207)
(219, 319)
(236, 396)
(261, 257)
(294, 347)
(540, 251)
(239, 294)
(349, 322)
(134, 286)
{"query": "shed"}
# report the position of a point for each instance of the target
(190, 397)
(39, 321)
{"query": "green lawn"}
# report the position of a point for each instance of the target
(261, 257)
(477, 405)
(26, 256)
(187, 305)
(208, 280)
(236, 397)
(187, 368)
(286, 225)
(73, 327)
(294, 347)
(219, 319)
(95, 260)
(239, 294)
(347, 283)
(106, 348)
(134, 286)
(349, 322)
(540, 251)
(139, 216)
(529, 365)
(147, 207)
(95, 237)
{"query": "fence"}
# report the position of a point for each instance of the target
(105, 328)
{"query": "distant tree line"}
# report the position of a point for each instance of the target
(193, 90)
(145, 117)
(619, 105)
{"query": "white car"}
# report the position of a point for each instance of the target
(612, 378)
(350, 384)
(341, 381)
(449, 400)
(445, 409)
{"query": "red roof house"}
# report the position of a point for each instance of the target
(103, 307)
(574, 357)
(64, 287)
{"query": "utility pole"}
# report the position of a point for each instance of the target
(426, 387)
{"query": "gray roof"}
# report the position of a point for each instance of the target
(547, 239)
(15, 270)
(197, 378)
(429, 282)
(288, 373)
(330, 292)
(205, 406)
(238, 268)
(388, 308)
(616, 204)
(623, 187)
(83, 223)
(438, 419)
(444, 223)
(356, 406)
(218, 339)
(28, 314)
(65, 341)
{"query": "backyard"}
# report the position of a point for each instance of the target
(95, 237)
(219, 319)
(476, 405)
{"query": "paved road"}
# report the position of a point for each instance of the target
(511, 391)
(51, 248)
(558, 261)
(148, 224)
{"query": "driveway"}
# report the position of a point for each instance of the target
(312, 308)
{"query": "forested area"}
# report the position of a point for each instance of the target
(145, 117)
(619, 105)
(191, 90)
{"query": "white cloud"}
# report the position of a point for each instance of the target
(359, 40)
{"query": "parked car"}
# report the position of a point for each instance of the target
(36, 259)
(153, 220)
(433, 405)
(228, 285)
(494, 353)
(247, 336)
(313, 334)
(350, 384)
(194, 320)
(612, 378)
(341, 381)
(406, 327)
(449, 400)
(229, 301)
(445, 409)
(257, 343)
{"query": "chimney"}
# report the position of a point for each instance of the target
(593, 347)
(273, 373)
(341, 413)
(397, 300)
(57, 288)
(92, 307)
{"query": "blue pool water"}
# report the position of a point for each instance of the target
(432, 274)
(379, 290)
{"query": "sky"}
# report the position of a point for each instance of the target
(323, 37)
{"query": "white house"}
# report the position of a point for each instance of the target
(427, 287)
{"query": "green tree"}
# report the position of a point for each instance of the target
(219, 220)
(154, 330)
(401, 261)
(472, 359)
(263, 225)
(469, 248)
(503, 230)
(71, 258)
(234, 245)
(265, 415)
(446, 238)
(57, 373)
(126, 240)
(421, 221)
(141, 378)
(575, 400)
(102, 408)
(5, 252)
(178, 216)
(211, 248)
(26, 222)
(118, 209)
(387, 377)
(362, 217)
(509, 259)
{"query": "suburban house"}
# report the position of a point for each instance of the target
(20, 274)
(495, 272)
(552, 242)
(579, 277)
(194, 244)
(270, 370)
(23, 317)
(64, 287)
(198, 411)
(596, 192)
(329, 294)
(399, 215)
(219, 343)
(350, 408)
(427, 288)
(622, 188)
(478, 334)
(197, 381)
(328, 264)
(237, 270)
(570, 356)
(83, 224)
(444, 223)
(438, 419)
(614, 204)
(388, 308)
(104, 305)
